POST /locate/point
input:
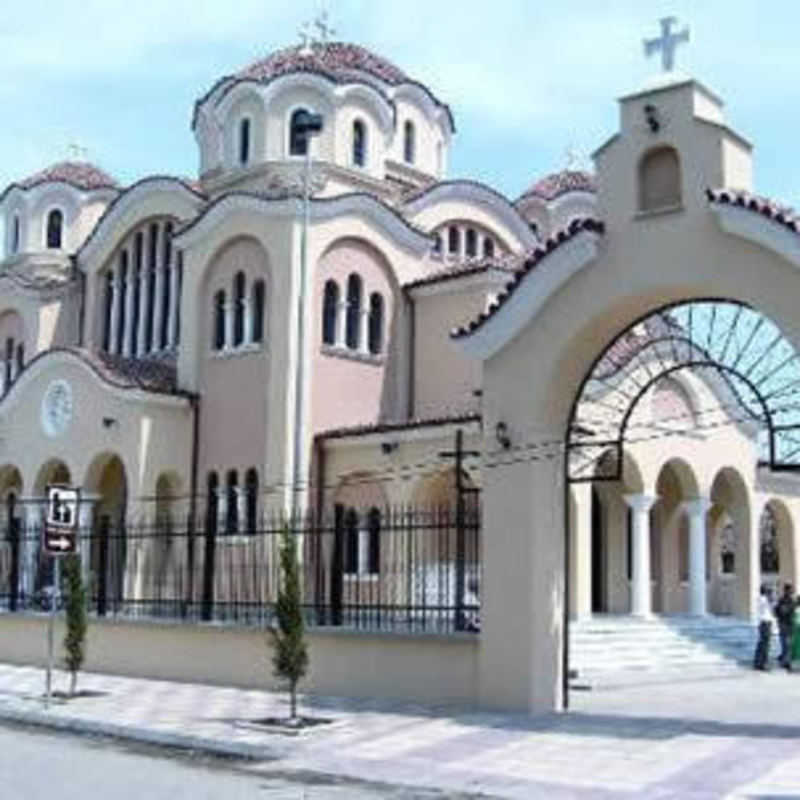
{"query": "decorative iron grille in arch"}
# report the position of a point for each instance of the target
(752, 369)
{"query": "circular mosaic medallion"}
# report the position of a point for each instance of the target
(57, 408)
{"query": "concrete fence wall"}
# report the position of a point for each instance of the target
(424, 668)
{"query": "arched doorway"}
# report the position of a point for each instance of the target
(40, 566)
(110, 583)
(776, 537)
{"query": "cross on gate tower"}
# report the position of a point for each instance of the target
(667, 43)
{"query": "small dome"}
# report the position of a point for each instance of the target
(552, 186)
(338, 60)
(79, 174)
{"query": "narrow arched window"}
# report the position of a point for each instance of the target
(409, 142)
(136, 287)
(353, 332)
(351, 541)
(374, 541)
(124, 288)
(232, 503)
(471, 243)
(437, 244)
(659, 179)
(238, 309)
(9, 363)
(251, 500)
(244, 141)
(20, 357)
(109, 300)
(488, 248)
(212, 503)
(375, 323)
(453, 240)
(258, 298)
(359, 143)
(15, 235)
(55, 224)
(150, 307)
(298, 140)
(179, 264)
(166, 292)
(219, 320)
(330, 312)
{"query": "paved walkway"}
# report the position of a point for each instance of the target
(734, 738)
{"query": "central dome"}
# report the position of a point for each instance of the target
(338, 60)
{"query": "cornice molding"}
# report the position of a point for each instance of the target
(755, 227)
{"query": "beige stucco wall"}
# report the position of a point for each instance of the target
(422, 668)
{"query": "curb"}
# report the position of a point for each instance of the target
(135, 733)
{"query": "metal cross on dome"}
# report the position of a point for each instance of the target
(667, 43)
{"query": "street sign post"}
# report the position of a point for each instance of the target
(59, 538)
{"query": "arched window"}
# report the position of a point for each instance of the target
(238, 309)
(359, 143)
(109, 300)
(244, 141)
(212, 504)
(471, 244)
(20, 357)
(353, 332)
(9, 364)
(251, 500)
(453, 240)
(55, 223)
(437, 244)
(488, 248)
(330, 312)
(375, 323)
(298, 141)
(15, 234)
(124, 288)
(232, 503)
(259, 294)
(409, 142)
(659, 179)
(374, 541)
(219, 320)
(179, 264)
(351, 541)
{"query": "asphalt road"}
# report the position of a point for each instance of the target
(41, 765)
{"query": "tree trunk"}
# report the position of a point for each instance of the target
(293, 692)
(73, 683)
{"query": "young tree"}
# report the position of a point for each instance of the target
(290, 658)
(75, 637)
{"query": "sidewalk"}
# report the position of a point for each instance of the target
(715, 739)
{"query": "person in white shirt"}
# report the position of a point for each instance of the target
(765, 620)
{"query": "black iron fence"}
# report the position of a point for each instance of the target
(399, 569)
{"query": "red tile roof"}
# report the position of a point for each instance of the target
(552, 186)
(79, 174)
(337, 59)
(575, 227)
(783, 215)
(472, 266)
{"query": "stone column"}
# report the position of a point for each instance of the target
(580, 552)
(228, 311)
(640, 557)
(127, 334)
(222, 509)
(696, 510)
(247, 333)
(116, 297)
(340, 339)
(241, 509)
(144, 297)
(174, 300)
(363, 339)
(85, 524)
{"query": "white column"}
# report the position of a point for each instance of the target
(127, 334)
(696, 510)
(144, 293)
(640, 557)
(222, 509)
(116, 297)
(29, 545)
(228, 325)
(2, 378)
(462, 244)
(580, 552)
(363, 340)
(241, 509)
(341, 324)
(158, 299)
(174, 300)
(247, 308)
(85, 520)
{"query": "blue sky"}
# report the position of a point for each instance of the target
(526, 79)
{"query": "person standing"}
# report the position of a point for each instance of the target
(795, 657)
(784, 613)
(765, 620)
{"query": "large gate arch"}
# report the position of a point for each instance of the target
(754, 369)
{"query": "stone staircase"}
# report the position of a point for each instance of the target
(617, 651)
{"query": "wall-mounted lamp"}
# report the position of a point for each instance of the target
(501, 434)
(109, 422)
(651, 118)
(388, 447)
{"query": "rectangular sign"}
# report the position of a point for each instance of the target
(61, 521)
